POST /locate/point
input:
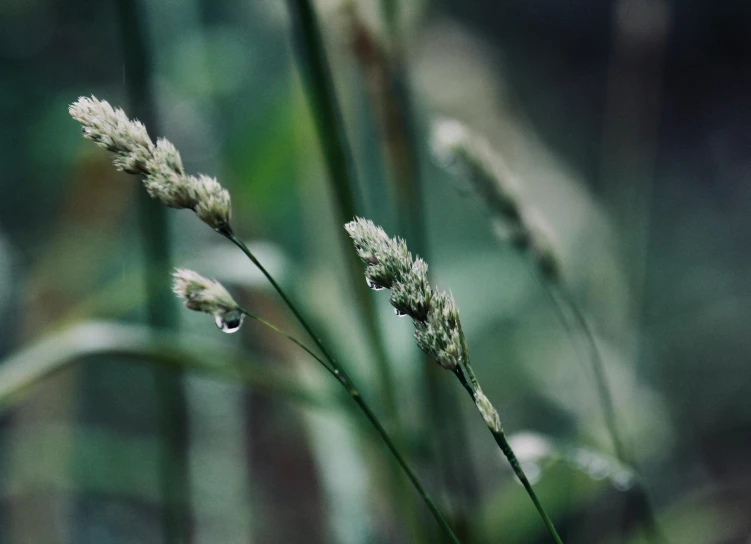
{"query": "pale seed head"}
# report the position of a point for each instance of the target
(213, 205)
(111, 129)
(470, 157)
(389, 264)
(160, 164)
(202, 294)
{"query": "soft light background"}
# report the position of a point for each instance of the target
(627, 125)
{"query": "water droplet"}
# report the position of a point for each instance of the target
(373, 285)
(229, 322)
(399, 313)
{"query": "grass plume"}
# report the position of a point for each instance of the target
(438, 330)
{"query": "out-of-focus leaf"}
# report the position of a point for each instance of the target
(697, 519)
(24, 369)
(124, 293)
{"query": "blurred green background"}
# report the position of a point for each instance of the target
(626, 123)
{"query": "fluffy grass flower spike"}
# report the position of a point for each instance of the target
(438, 330)
(471, 158)
(160, 164)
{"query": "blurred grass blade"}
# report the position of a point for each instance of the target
(324, 106)
(20, 372)
(338, 157)
(339, 163)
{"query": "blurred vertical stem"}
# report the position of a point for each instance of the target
(339, 163)
(338, 158)
(341, 376)
(563, 303)
(386, 73)
(173, 470)
(629, 147)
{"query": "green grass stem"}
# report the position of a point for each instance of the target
(564, 303)
(333, 367)
(338, 158)
(470, 384)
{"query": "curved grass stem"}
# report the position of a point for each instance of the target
(383, 65)
(333, 367)
(320, 90)
(289, 337)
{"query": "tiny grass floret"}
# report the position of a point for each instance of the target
(201, 294)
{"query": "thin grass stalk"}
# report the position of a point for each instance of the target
(173, 468)
(385, 72)
(204, 295)
(499, 436)
(472, 386)
(563, 299)
(471, 157)
(292, 307)
(564, 305)
(438, 330)
(630, 141)
(341, 376)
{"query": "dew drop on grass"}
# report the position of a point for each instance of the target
(399, 313)
(373, 285)
(230, 321)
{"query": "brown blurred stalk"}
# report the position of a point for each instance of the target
(174, 477)
(630, 142)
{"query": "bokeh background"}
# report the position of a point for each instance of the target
(127, 419)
